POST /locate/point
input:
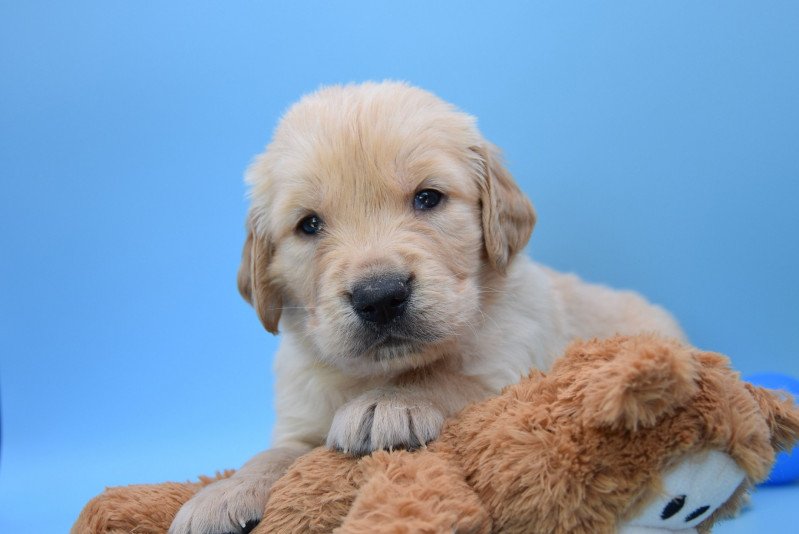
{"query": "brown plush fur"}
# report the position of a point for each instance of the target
(578, 450)
(140, 509)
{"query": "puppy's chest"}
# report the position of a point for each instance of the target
(500, 358)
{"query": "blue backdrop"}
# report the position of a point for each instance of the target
(658, 140)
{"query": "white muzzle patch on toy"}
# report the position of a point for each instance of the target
(692, 490)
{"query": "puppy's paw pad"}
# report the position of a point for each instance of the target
(378, 421)
(249, 526)
(230, 506)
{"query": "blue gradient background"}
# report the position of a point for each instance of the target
(658, 140)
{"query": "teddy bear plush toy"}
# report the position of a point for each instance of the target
(629, 435)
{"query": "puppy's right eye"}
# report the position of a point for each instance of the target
(427, 199)
(310, 225)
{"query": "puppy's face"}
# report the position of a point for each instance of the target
(376, 211)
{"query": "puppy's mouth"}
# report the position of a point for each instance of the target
(392, 345)
(386, 341)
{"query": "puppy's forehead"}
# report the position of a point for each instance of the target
(372, 143)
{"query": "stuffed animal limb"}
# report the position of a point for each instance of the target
(141, 508)
(403, 492)
(415, 493)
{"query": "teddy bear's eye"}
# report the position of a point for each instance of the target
(696, 513)
(672, 507)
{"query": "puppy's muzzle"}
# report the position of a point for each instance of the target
(381, 299)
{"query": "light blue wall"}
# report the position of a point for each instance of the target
(658, 140)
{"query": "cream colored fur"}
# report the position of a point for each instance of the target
(482, 315)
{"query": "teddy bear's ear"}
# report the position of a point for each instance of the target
(781, 413)
(644, 379)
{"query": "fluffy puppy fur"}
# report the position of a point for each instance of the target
(476, 316)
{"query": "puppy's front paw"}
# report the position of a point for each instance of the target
(384, 420)
(230, 506)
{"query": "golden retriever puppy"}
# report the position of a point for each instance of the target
(383, 240)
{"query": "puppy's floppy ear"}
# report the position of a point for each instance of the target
(508, 215)
(253, 280)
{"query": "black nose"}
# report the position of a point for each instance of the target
(382, 298)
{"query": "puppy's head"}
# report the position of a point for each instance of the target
(377, 210)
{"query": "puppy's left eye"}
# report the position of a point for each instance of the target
(427, 199)
(310, 225)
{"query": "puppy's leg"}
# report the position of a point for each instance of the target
(235, 504)
(406, 414)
